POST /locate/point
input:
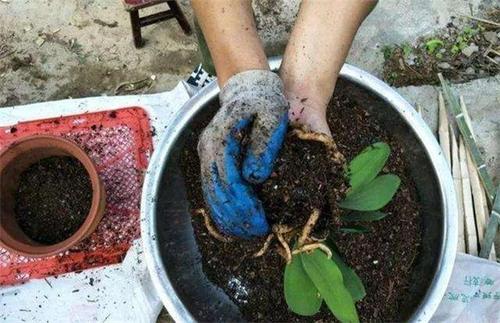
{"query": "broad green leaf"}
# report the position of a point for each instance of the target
(301, 296)
(367, 164)
(354, 229)
(372, 196)
(351, 280)
(363, 216)
(327, 277)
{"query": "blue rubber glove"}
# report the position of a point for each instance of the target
(249, 99)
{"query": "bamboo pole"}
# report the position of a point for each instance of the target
(492, 227)
(443, 130)
(456, 111)
(480, 204)
(457, 181)
(478, 194)
(470, 223)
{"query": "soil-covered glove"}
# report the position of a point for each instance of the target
(252, 103)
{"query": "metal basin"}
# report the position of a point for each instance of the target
(170, 248)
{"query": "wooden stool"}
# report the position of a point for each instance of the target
(133, 7)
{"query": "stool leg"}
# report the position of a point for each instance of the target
(136, 28)
(179, 15)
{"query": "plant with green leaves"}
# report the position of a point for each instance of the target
(433, 44)
(464, 38)
(316, 272)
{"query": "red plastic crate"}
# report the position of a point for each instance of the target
(119, 142)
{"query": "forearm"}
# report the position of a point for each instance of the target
(319, 44)
(231, 35)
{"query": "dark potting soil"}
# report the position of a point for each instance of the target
(53, 199)
(304, 178)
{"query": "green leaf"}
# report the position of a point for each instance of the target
(351, 280)
(301, 296)
(363, 216)
(367, 164)
(372, 196)
(433, 44)
(327, 277)
(354, 229)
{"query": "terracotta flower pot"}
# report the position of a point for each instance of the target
(13, 161)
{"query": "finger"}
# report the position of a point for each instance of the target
(234, 208)
(266, 139)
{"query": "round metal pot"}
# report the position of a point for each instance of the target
(172, 255)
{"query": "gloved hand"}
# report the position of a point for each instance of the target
(249, 99)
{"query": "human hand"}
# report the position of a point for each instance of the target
(251, 99)
(308, 112)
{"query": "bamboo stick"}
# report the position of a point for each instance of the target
(479, 197)
(480, 204)
(456, 111)
(470, 223)
(443, 130)
(492, 227)
(467, 118)
(457, 181)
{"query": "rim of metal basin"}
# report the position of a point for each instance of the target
(152, 180)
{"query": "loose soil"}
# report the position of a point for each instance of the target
(304, 178)
(53, 199)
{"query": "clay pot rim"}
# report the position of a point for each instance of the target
(97, 205)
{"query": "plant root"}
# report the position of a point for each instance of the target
(279, 230)
(306, 231)
(264, 248)
(284, 234)
(328, 141)
(211, 229)
(314, 246)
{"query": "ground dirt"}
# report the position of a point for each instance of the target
(55, 49)
(53, 199)
(383, 257)
(462, 51)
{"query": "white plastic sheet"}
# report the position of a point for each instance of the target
(473, 293)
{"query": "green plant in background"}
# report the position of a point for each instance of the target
(407, 50)
(464, 38)
(433, 44)
(314, 277)
(387, 51)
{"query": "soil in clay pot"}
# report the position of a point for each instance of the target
(53, 199)
(305, 178)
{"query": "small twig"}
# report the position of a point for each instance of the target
(314, 246)
(486, 21)
(306, 231)
(494, 52)
(128, 87)
(491, 59)
(211, 229)
(264, 248)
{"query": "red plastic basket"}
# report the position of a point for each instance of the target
(119, 142)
